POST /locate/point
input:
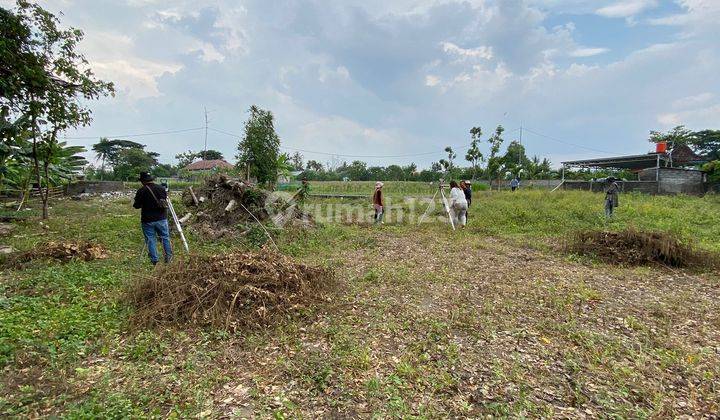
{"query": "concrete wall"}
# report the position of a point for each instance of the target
(646, 187)
(676, 180)
(92, 187)
(528, 183)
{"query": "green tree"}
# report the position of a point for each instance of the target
(706, 143)
(284, 165)
(50, 82)
(473, 155)
(356, 171)
(185, 158)
(674, 137)
(260, 146)
(409, 171)
(103, 149)
(132, 161)
(314, 165)
(297, 161)
(713, 170)
(210, 155)
(451, 159)
(515, 159)
(394, 173)
(494, 162)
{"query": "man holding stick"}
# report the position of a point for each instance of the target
(151, 199)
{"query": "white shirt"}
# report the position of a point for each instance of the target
(457, 196)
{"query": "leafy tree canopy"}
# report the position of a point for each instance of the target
(259, 148)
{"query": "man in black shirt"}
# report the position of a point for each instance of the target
(151, 200)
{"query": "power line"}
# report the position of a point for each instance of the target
(566, 142)
(157, 133)
(345, 155)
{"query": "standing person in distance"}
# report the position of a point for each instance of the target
(515, 183)
(379, 203)
(458, 204)
(151, 199)
(612, 193)
(466, 186)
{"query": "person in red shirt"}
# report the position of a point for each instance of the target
(378, 203)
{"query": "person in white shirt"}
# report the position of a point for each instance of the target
(458, 205)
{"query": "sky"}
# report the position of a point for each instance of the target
(394, 82)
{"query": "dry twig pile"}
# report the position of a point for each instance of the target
(222, 206)
(231, 291)
(61, 251)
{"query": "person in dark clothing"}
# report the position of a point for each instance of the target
(612, 190)
(466, 186)
(151, 200)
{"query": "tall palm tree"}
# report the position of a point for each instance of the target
(103, 150)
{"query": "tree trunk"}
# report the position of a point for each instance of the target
(46, 197)
(36, 164)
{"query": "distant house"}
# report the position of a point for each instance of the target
(208, 165)
(682, 155)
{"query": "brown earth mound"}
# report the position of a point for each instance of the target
(61, 251)
(225, 206)
(231, 291)
(632, 247)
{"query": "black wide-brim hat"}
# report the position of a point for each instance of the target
(145, 177)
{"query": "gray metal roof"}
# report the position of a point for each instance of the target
(649, 160)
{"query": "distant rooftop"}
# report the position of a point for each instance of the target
(648, 160)
(206, 165)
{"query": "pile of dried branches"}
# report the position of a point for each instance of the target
(230, 291)
(225, 206)
(61, 251)
(633, 247)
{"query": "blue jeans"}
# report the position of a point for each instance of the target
(161, 229)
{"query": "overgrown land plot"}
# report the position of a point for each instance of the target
(499, 319)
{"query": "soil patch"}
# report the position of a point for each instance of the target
(231, 291)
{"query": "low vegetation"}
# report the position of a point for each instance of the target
(421, 321)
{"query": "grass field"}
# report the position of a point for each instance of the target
(393, 188)
(425, 322)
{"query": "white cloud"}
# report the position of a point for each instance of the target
(699, 16)
(693, 100)
(431, 80)
(134, 79)
(626, 9)
(578, 70)
(376, 77)
(699, 117)
(482, 52)
(588, 52)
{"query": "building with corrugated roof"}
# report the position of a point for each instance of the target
(208, 165)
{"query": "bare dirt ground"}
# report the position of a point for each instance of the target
(439, 327)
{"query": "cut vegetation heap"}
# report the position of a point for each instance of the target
(60, 251)
(231, 291)
(632, 247)
(225, 206)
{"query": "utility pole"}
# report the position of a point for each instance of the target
(519, 150)
(206, 129)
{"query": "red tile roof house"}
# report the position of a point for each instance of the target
(208, 165)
